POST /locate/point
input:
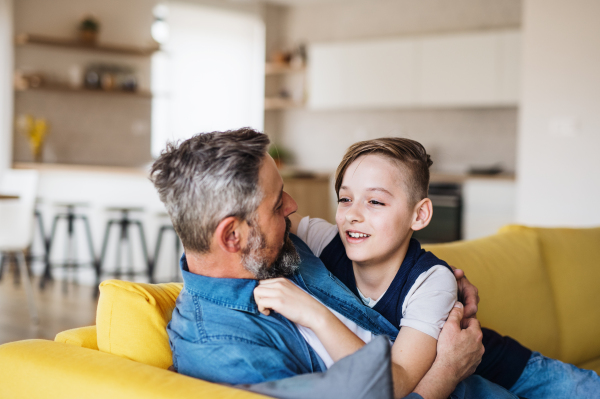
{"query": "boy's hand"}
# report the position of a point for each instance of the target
(287, 299)
(468, 294)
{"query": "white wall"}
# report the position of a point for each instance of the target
(6, 96)
(558, 165)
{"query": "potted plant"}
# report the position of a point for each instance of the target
(88, 30)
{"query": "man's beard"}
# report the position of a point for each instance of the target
(254, 261)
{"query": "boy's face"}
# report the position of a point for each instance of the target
(374, 214)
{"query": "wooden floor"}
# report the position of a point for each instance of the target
(58, 311)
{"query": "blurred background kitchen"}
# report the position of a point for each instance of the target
(503, 94)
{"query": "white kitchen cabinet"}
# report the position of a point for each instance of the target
(488, 204)
(458, 69)
(368, 74)
(466, 70)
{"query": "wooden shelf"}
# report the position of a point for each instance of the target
(69, 89)
(24, 39)
(276, 103)
(281, 69)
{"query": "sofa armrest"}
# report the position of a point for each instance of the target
(83, 336)
(44, 369)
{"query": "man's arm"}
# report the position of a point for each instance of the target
(459, 352)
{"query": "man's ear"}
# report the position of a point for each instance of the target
(230, 234)
(423, 212)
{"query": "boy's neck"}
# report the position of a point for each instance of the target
(374, 278)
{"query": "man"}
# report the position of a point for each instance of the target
(226, 200)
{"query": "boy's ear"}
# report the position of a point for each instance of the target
(422, 214)
(231, 234)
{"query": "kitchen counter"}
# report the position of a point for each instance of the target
(56, 167)
(436, 177)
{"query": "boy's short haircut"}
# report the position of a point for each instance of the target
(408, 154)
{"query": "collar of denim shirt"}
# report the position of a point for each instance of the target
(233, 293)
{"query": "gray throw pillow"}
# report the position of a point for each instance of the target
(366, 374)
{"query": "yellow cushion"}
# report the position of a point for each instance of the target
(132, 319)
(83, 336)
(572, 259)
(516, 298)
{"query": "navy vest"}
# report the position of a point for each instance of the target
(415, 262)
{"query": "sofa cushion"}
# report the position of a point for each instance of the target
(132, 319)
(572, 259)
(86, 337)
(516, 298)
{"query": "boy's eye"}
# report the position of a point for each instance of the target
(341, 200)
(375, 202)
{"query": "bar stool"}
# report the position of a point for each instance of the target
(124, 223)
(45, 239)
(176, 276)
(70, 263)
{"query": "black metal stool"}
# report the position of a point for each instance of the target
(70, 264)
(124, 223)
(176, 276)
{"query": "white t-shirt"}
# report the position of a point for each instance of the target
(430, 299)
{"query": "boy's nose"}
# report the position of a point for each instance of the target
(354, 214)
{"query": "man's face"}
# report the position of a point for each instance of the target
(269, 252)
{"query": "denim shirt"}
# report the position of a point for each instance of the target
(217, 333)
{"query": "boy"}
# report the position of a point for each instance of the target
(382, 193)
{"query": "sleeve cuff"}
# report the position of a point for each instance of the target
(425, 328)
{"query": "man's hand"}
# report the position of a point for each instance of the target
(459, 352)
(468, 294)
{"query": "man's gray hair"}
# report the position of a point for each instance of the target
(207, 178)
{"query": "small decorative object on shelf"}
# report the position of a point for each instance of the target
(285, 87)
(110, 78)
(88, 30)
(25, 80)
(35, 130)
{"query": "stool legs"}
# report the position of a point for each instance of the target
(70, 263)
(125, 244)
(157, 248)
(149, 264)
(46, 240)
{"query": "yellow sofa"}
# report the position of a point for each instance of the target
(540, 286)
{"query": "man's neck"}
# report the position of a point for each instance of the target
(218, 265)
(373, 278)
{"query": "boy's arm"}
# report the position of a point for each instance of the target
(284, 297)
(413, 353)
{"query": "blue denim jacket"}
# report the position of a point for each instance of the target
(217, 333)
